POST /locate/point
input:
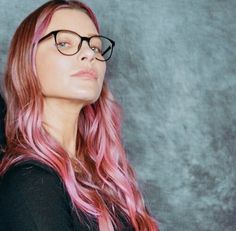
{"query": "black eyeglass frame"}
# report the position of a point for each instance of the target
(83, 38)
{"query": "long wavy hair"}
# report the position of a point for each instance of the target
(99, 181)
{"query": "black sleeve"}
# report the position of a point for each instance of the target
(33, 199)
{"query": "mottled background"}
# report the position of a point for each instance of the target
(174, 73)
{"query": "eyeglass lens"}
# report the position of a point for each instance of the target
(69, 43)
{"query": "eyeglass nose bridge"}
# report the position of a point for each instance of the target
(82, 38)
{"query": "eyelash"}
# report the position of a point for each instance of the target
(60, 44)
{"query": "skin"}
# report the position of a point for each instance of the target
(64, 95)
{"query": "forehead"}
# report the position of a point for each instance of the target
(72, 19)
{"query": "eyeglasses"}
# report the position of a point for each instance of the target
(69, 43)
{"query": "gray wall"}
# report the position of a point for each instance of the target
(174, 72)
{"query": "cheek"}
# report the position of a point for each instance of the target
(49, 69)
(102, 71)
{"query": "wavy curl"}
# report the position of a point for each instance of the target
(99, 180)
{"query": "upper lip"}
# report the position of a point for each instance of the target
(85, 73)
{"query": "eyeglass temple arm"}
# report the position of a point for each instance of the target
(109, 48)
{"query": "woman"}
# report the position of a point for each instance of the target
(64, 167)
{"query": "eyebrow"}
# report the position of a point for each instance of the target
(90, 34)
(48, 35)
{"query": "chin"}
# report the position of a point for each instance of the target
(89, 99)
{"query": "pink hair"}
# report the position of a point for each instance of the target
(100, 178)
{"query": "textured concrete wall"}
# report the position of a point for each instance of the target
(174, 72)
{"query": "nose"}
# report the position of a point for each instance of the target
(85, 52)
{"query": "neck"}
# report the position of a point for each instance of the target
(60, 119)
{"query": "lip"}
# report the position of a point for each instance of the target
(85, 73)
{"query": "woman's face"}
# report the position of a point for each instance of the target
(69, 77)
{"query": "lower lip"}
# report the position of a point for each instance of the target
(85, 75)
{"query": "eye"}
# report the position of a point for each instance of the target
(63, 45)
(65, 40)
(96, 44)
(96, 50)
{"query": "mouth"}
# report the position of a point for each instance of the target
(86, 73)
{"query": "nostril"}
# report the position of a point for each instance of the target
(87, 54)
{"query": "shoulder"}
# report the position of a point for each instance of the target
(28, 174)
(33, 181)
(32, 195)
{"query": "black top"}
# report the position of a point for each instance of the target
(33, 198)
